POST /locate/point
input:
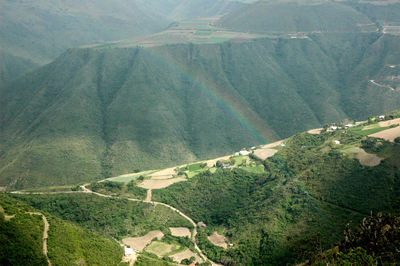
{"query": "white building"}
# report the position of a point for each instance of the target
(244, 152)
(128, 251)
(337, 142)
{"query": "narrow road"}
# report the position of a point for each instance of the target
(148, 200)
(148, 197)
(380, 85)
(45, 234)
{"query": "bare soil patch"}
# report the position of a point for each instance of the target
(218, 240)
(130, 259)
(315, 131)
(186, 254)
(160, 183)
(366, 159)
(265, 153)
(180, 231)
(273, 144)
(139, 243)
(388, 134)
(164, 174)
(389, 123)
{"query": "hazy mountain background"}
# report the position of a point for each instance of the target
(109, 110)
(32, 33)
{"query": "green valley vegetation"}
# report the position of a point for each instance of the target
(374, 241)
(129, 189)
(298, 207)
(96, 113)
(118, 218)
(21, 238)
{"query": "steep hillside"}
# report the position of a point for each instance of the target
(99, 112)
(297, 16)
(177, 9)
(21, 238)
(310, 190)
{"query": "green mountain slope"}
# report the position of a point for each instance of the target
(67, 244)
(99, 112)
(310, 190)
(297, 16)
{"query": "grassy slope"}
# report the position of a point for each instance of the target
(21, 239)
(267, 16)
(100, 112)
(112, 217)
(306, 191)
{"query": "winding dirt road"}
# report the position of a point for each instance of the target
(45, 234)
(148, 200)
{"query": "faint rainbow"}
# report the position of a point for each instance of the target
(224, 104)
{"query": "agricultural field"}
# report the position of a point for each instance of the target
(197, 31)
(180, 231)
(161, 249)
(388, 129)
(139, 243)
(218, 240)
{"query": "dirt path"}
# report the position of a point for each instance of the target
(315, 131)
(148, 197)
(380, 85)
(86, 190)
(45, 234)
(273, 144)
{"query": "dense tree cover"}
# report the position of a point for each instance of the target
(129, 189)
(298, 207)
(68, 244)
(117, 218)
(332, 177)
(121, 109)
(374, 242)
(21, 239)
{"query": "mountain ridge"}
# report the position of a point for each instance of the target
(175, 93)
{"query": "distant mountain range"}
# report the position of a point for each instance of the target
(110, 109)
(33, 33)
